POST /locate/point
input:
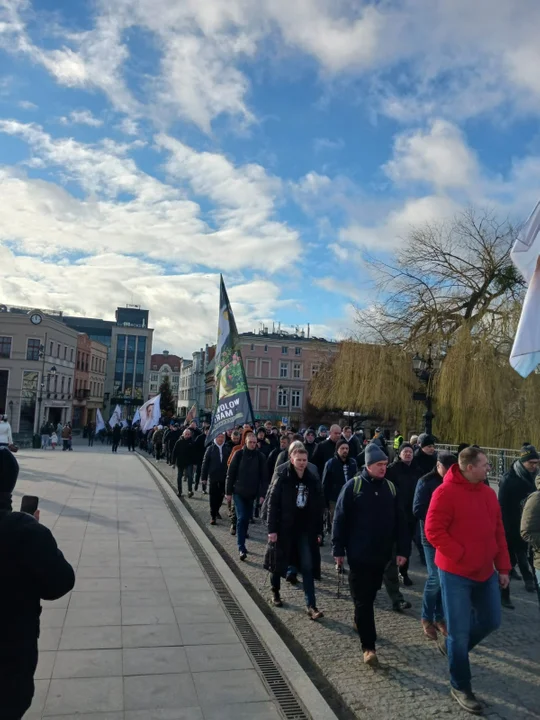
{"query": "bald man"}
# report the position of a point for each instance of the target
(326, 450)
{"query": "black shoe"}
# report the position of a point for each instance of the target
(213, 522)
(467, 701)
(292, 579)
(401, 605)
(507, 603)
(190, 494)
(529, 586)
(407, 580)
(243, 555)
(233, 530)
(276, 598)
(514, 575)
(441, 645)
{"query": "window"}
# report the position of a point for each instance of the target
(252, 347)
(282, 398)
(153, 387)
(154, 378)
(71, 356)
(65, 352)
(28, 401)
(284, 350)
(62, 384)
(296, 397)
(5, 347)
(32, 349)
(51, 345)
(283, 369)
(297, 351)
(266, 348)
(315, 369)
(297, 370)
(58, 350)
(69, 385)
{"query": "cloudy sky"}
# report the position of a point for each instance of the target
(148, 145)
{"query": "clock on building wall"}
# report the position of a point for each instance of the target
(35, 318)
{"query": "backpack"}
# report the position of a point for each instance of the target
(357, 487)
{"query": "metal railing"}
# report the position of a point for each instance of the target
(501, 459)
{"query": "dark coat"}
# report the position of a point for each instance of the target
(32, 569)
(265, 447)
(368, 525)
(281, 514)
(355, 446)
(405, 478)
(173, 437)
(199, 448)
(513, 491)
(117, 432)
(425, 488)
(247, 475)
(272, 461)
(311, 448)
(182, 455)
(425, 463)
(334, 476)
(325, 451)
(214, 466)
(530, 524)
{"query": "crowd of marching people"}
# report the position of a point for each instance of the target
(333, 485)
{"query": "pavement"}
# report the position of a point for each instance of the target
(143, 635)
(413, 680)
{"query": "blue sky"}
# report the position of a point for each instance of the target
(148, 145)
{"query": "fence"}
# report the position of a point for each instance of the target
(501, 459)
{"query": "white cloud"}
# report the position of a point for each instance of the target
(129, 126)
(341, 287)
(326, 144)
(27, 105)
(81, 117)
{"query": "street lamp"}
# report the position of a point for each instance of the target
(424, 369)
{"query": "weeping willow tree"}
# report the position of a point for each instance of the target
(451, 287)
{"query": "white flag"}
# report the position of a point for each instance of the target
(525, 355)
(100, 422)
(136, 417)
(116, 417)
(150, 413)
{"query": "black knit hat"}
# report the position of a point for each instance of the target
(404, 446)
(9, 470)
(427, 440)
(529, 452)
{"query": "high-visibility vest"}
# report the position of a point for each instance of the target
(398, 441)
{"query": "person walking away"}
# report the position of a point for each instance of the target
(327, 449)
(199, 448)
(158, 442)
(45, 436)
(116, 434)
(432, 609)
(214, 471)
(66, 437)
(246, 481)
(369, 522)
(425, 456)
(530, 531)
(464, 524)
(32, 569)
(516, 486)
(182, 457)
(337, 472)
(91, 434)
(131, 437)
(295, 509)
(59, 429)
(6, 436)
(54, 440)
(404, 473)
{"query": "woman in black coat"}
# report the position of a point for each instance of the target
(295, 524)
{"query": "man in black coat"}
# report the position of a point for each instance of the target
(199, 449)
(355, 445)
(276, 453)
(32, 569)
(247, 481)
(263, 443)
(425, 456)
(116, 435)
(214, 469)
(310, 444)
(182, 457)
(516, 486)
(326, 449)
(337, 472)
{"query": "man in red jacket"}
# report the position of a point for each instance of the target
(464, 524)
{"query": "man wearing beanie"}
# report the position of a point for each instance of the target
(425, 457)
(515, 488)
(32, 569)
(337, 471)
(368, 523)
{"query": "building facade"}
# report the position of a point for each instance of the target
(37, 368)
(89, 386)
(192, 384)
(129, 342)
(164, 365)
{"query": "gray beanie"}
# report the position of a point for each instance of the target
(374, 454)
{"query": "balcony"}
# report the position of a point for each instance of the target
(82, 394)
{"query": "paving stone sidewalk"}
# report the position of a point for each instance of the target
(413, 681)
(143, 636)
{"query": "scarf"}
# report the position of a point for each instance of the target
(522, 472)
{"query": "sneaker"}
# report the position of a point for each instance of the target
(441, 645)
(233, 530)
(406, 580)
(514, 575)
(529, 586)
(441, 627)
(243, 555)
(276, 598)
(190, 494)
(370, 658)
(430, 630)
(314, 613)
(292, 579)
(468, 701)
(401, 605)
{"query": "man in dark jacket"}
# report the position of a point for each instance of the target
(32, 568)
(337, 472)
(310, 444)
(263, 443)
(284, 443)
(116, 435)
(404, 473)
(326, 449)
(355, 445)
(432, 609)
(368, 523)
(199, 449)
(182, 457)
(322, 434)
(214, 468)
(247, 480)
(425, 456)
(515, 488)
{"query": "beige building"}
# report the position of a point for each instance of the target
(89, 388)
(37, 367)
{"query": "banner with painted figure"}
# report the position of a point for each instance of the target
(233, 403)
(150, 413)
(100, 422)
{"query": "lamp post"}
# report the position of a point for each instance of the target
(10, 404)
(425, 369)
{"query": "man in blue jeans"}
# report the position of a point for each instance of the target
(247, 479)
(432, 609)
(464, 524)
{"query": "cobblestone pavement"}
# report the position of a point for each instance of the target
(413, 680)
